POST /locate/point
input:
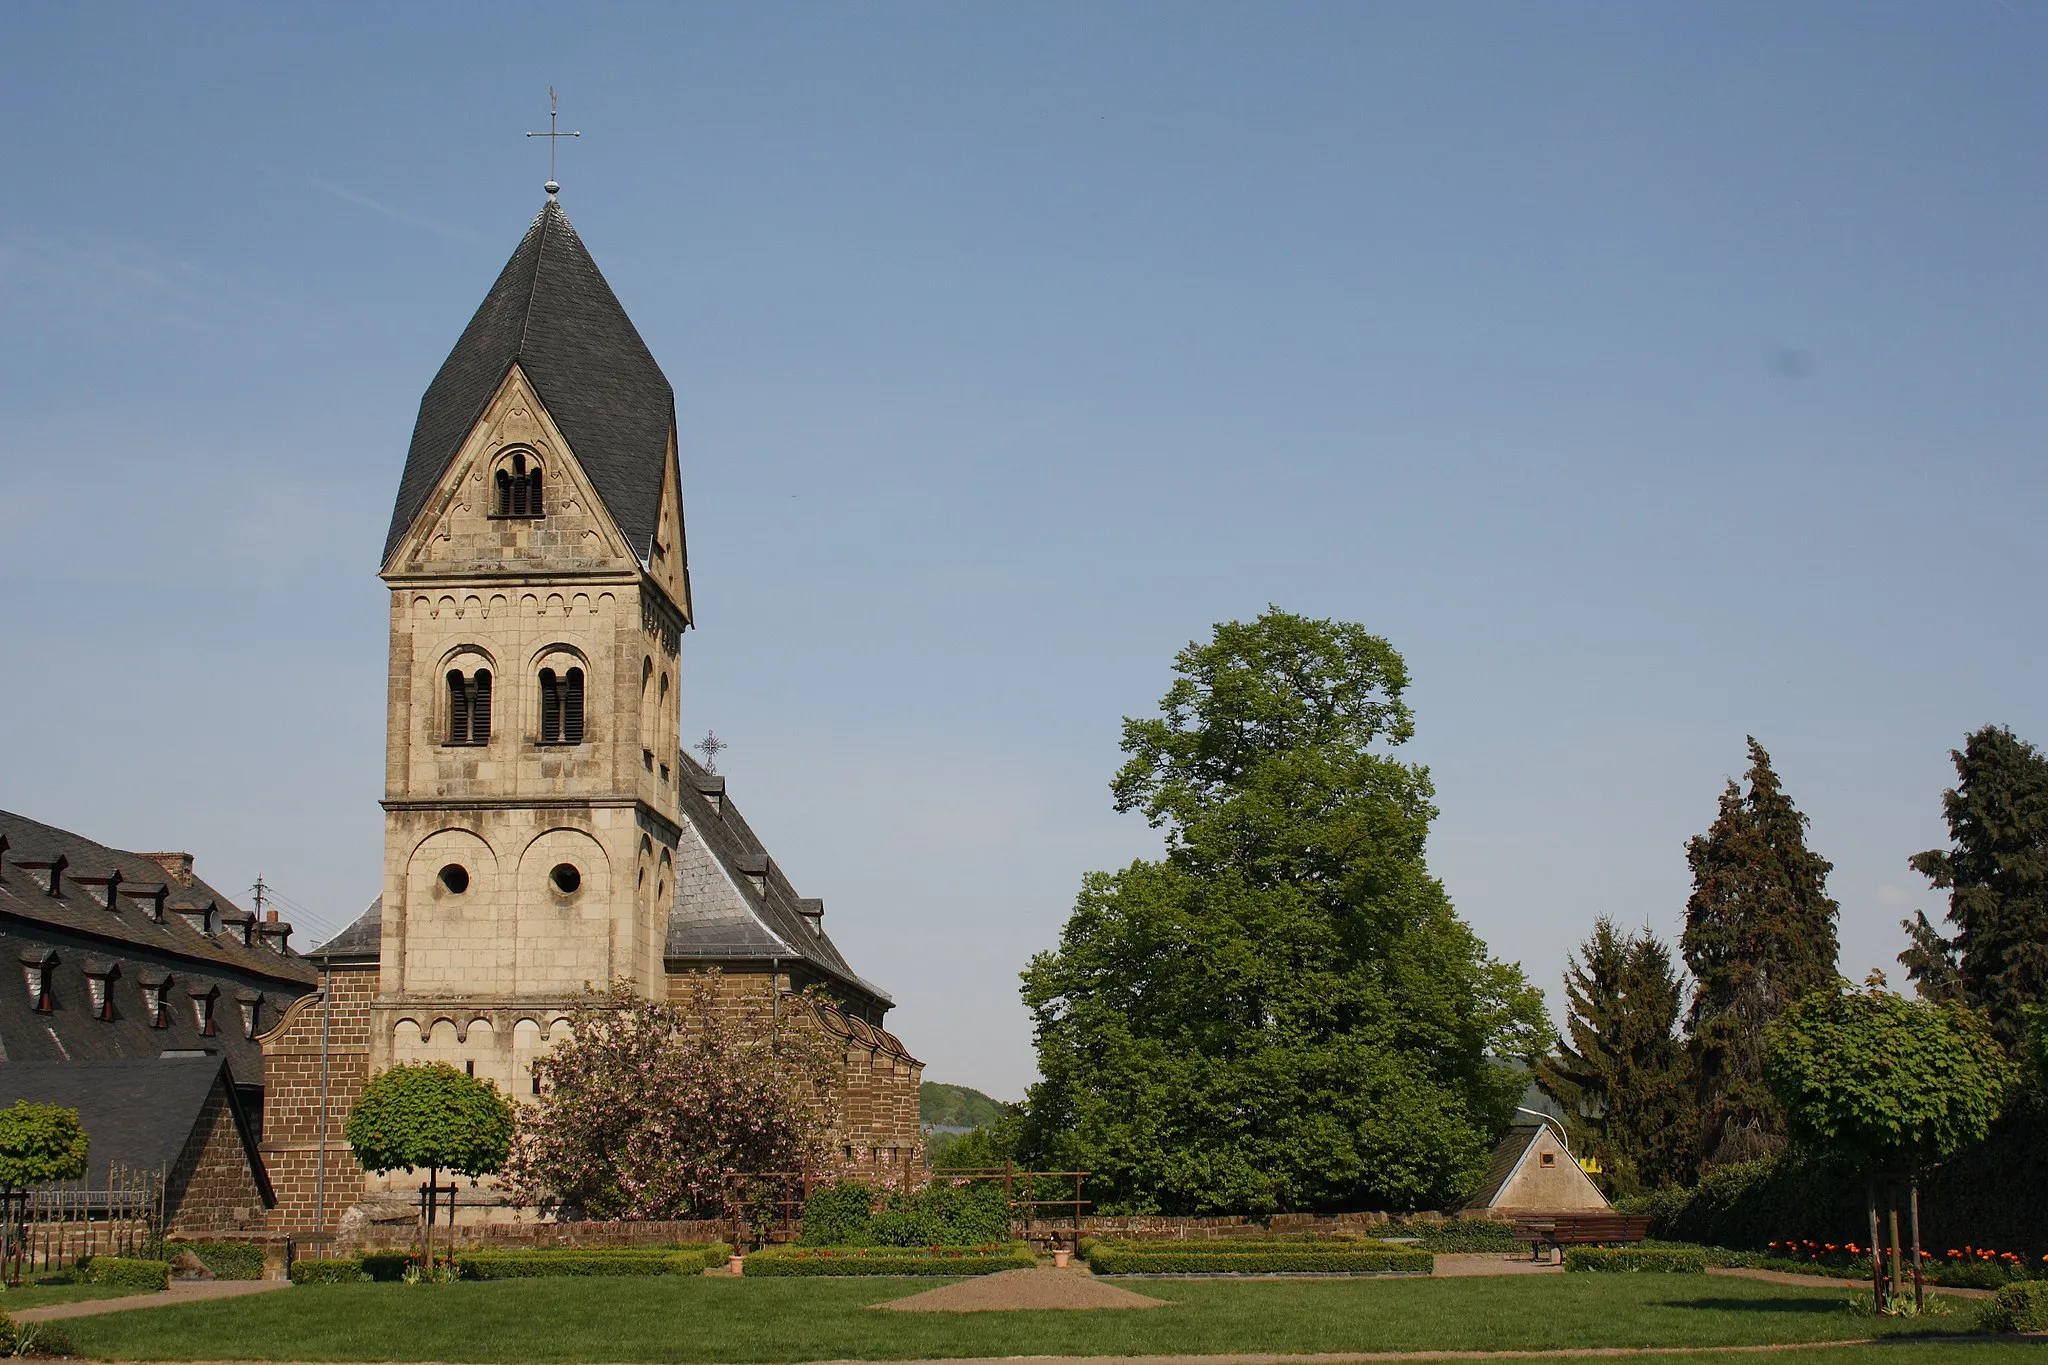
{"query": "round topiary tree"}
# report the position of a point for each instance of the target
(38, 1143)
(1890, 1084)
(429, 1114)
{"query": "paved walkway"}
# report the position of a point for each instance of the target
(1792, 1277)
(184, 1291)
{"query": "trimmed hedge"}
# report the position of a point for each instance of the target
(782, 1261)
(328, 1270)
(1467, 1235)
(1241, 1257)
(1656, 1260)
(227, 1260)
(596, 1261)
(2019, 1307)
(123, 1272)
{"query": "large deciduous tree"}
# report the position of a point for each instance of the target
(1996, 873)
(648, 1104)
(1759, 934)
(1625, 1076)
(1284, 1012)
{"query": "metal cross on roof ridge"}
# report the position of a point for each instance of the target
(553, 138)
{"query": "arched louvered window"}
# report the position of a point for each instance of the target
(561, 706)
(469, 707)
(519, 487)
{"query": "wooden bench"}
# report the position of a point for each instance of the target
(1579, 1230)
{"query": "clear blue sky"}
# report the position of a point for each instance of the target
(1649, 375)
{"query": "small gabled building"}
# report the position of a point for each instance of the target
(179, 1119)
(1533, 1171)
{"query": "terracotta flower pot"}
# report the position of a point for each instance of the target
(738, 1264)
(1059, 1258)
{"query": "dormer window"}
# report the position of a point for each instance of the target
(469, 707)
(156, 988)
(199, 914)
(99, 979)
(561, 706)
(48, 872)
(102, 889)
(204, 998)
(519, 486)
(251, 1005)
(147, 898)
(40, 970)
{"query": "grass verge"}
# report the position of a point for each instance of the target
(770, 1320)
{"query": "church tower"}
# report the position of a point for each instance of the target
(539, 592)
(544, 831)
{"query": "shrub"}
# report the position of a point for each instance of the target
(1664, 1260)
(328, 1270)
(978, 1260)
(2020, 1307)
(846, 1214)
(10, 1335)
(837, 1215)
(1469, 1234)
(227, 1260)
(523, 1265)
(42, 1339)
(385, 1267)
(1245, 1257)
(122, 1272)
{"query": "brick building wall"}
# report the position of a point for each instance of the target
(876, 1126)
(213, 1188)
(291, 1104)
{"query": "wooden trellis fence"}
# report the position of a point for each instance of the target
(48, 1227)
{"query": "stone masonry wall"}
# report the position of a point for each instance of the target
(291, 1104)
(875, 1129)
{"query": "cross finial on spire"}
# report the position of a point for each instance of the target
(553, 138)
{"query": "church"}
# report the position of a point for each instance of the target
(545, 833)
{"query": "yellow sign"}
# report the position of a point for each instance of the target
(1590, 1165)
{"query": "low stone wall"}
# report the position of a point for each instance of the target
(1160, 1228)
(528, 1236)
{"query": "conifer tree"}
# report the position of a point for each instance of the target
(1625, 1076)
(1996, 873)
(1759, 933)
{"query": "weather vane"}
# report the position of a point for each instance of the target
(553, 138)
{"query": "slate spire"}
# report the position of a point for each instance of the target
(552, 312)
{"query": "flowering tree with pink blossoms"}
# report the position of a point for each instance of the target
(648, 1104)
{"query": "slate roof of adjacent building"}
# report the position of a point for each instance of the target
(137, 1113)
(552, 312)
(773, 923)
(359, 945)
(89, 937)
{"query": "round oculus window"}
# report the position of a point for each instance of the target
(566, 878)
(455, 877)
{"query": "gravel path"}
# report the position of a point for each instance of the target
(182, 1292)
(1012, 1291)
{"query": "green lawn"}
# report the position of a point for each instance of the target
(716, 1319)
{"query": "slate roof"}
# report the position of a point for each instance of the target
(1507, 1155)
(136, 1113)
(359, 945)
(553, 313)
(773, 923)
(86, 935)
